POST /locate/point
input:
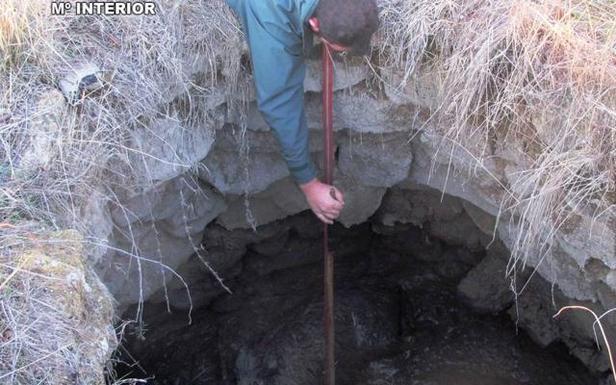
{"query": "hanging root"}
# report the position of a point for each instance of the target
(597, 322)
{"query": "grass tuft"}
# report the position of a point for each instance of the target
(532, 82)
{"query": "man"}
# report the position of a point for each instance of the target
(278, 33)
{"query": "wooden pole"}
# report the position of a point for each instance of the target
(328, 257)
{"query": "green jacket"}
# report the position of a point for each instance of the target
(277, 33)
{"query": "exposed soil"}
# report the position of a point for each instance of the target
(398, 321)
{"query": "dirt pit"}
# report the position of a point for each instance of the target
(399, 320)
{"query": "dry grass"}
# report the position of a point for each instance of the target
(536, 79)
(42, 335)
(55, 158)
(148, 64)
(596, 324)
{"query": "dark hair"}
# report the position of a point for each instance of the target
(348, 22)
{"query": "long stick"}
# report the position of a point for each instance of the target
(328, 257)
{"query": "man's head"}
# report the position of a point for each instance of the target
(346, 23)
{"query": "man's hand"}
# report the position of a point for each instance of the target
(325, 200)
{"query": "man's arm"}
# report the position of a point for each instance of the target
(278, 71)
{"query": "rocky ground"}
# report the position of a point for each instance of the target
(392, 164)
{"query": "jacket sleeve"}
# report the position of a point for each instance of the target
(278, 71)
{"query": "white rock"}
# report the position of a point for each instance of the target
(360, 201)
(45, 131)
(281, 199)
(486, 287)
(166, 148)
(161, 231)
(346, 75)
(375, 160)
(225, 169)
(362, 113)
(81, 78)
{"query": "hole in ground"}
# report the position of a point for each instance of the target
(399, 318)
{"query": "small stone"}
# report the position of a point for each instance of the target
(81, 78)
(486, 287)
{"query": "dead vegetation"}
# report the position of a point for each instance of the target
(43, 335)
(596, 325)
(537, 78)
(529, 79)
(54, 157)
